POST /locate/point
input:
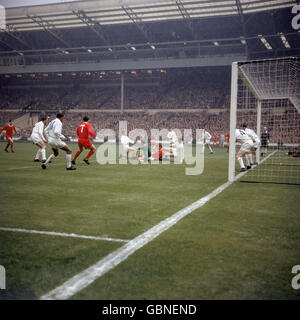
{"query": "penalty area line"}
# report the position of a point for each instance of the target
(62, 234)
(94, 272)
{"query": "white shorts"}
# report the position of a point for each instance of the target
(180, 152)
(56, 143)
(256, 144)
(36, 139)
(125, 147)
(128, 148)
(207, 141)
(247, 146)
(175, 151)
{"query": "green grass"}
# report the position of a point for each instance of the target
(240, 245)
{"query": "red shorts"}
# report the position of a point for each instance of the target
(84, 143)
(8, 136)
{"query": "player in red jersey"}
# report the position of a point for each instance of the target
(162, 152)
(9, 129)
(227, 137)
(215, 137)
(84, 130)
(159, 154)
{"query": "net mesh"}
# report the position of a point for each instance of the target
(274, 87)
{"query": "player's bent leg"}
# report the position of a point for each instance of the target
(92, 149)
(6, 148)
(77, 153)
(239, 158)
(37, 156)
(11, 143)
(248, 160)
(68, 157)
(52, 156)
(41, 151)
(55, 152)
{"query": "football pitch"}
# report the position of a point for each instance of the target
(55, 224)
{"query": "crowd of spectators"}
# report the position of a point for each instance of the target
(174, 90)
(135, 97)
(216, 124)
(6, 116)
(196, 95)
(283, 128)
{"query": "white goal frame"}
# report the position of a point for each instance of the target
(237, 74)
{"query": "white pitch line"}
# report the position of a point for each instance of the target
(89, 275)
(61, 234)
(30, 167)
(39, 166)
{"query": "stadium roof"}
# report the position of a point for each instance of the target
(109, 12)
(105, 33)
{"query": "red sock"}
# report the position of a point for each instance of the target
(89, 154)
(7, 146)
(76, 155)
(11, 146)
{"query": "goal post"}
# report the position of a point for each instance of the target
(233, 116)
(265, 95)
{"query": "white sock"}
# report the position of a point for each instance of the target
(247, 159)
(209, 147)
(49, 159)
(37, 156)
(69, 157)
(241, 162)
(43, 151)
(251, 158)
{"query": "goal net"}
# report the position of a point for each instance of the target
(265, 96)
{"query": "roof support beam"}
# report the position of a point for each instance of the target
(4, 41)
(92, 24)
(138, 22)
(186, 17)
(96, 27)
(141, 26)
(14, 33)
(50, 28)
(243, 23)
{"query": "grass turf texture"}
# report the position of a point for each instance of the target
(242, 244)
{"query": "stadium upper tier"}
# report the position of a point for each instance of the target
(107, 12)
(121, 35)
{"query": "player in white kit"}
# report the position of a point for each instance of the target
(38, 138)
(246, 146)
(55, 137)
(207, 138)
(179, 150)
(126, 142)
(256, 143)
(173, 142)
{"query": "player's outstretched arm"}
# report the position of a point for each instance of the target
(91, 132)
